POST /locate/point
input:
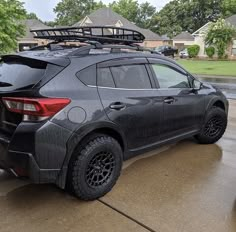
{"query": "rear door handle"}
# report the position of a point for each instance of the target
(169, 100)
(117, 106)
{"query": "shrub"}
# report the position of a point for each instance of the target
(220, 35)
(210, 51)
(193, 51)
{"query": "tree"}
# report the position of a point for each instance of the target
(129, 9)
(145, 13)
(228, 7)
(11, 13)
(32, 16)
(220, 35)
(70, 12)
(185, 15)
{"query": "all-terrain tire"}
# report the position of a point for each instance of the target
(214, 126)
(95, 167)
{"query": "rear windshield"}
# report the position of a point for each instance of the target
(20, 74)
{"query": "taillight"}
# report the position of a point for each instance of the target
(40, 108)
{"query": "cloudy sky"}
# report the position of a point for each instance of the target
(44, 8)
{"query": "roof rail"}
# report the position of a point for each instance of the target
(84, 50)
(101, 34)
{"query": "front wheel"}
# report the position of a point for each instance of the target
(95, 168)
(214, 126)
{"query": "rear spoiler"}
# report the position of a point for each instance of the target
(62, 61)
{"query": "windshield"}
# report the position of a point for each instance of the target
(18, 74)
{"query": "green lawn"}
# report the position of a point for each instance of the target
(221, 68)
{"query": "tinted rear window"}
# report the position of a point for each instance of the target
(16, 74)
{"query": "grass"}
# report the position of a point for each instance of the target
(204, 67)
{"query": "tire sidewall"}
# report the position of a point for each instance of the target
(94, 147)
(215, 111)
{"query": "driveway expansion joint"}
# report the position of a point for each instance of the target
(127, 216)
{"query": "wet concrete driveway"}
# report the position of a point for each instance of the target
(185, 187)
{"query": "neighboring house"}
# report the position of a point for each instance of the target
(200, 35)
(184, 39)
(28, 41)
(107, 17)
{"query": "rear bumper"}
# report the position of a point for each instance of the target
(24, 164)
(35, 152)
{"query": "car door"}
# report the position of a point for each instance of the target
(183, 108)
(129, 100)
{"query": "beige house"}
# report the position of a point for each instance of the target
(183, 40)
(28, 41)
(200, 35)
(107, 17)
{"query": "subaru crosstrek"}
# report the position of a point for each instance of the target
(71, 116)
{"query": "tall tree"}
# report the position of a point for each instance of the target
(11, 13)
(129, 9)
(145, 13)
(228, 7)
(186, 15)
(70, 12)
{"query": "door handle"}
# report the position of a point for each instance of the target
(117, 106)
(169, 100)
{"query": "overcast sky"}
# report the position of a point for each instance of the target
(44, 8)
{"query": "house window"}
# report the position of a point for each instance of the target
(234, 48)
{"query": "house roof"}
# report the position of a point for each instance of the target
(184, 36)
(31, 24)
(107, 17)
(231, 20)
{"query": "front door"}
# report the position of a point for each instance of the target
(129, 100)
(183, 108)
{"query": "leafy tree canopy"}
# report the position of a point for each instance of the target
(32, 16)
(140, 14)
(228, 7)
(185, 15)
(11, 13)
(70, 12)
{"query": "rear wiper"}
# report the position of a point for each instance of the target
(5, 84)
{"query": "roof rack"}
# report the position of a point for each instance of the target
(101, 34)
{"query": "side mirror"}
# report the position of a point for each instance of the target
(197, 85)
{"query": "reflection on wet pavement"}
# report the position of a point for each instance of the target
(185, 187)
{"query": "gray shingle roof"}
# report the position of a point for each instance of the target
(32, 24)
(107, 17)
(231, 20)
(184, 36)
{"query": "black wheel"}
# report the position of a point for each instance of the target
(95, 167)
(214, 126)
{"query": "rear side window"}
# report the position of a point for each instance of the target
(88, 75)
(131, 77)
(105, 78)
(19, 74)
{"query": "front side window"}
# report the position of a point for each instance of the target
(131, 77)
(170, 78)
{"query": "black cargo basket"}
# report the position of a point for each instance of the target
(103, 35)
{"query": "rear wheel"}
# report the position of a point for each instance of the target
(214, 126)
(95, 167)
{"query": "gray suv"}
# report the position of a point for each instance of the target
(70, 115)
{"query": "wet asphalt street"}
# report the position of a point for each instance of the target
(184, 187)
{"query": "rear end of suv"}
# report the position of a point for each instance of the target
(25, 112)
